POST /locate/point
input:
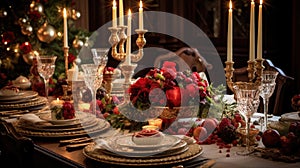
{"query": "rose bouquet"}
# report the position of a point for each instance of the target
(165, 87)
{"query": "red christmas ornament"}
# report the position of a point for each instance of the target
(8, 37)
(26, 47)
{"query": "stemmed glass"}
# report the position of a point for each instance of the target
(247, 95)
(100, 55)
(93, 73)
(267, 88)
(93, 81)
(46, 67)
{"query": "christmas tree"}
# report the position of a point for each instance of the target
(28, 28)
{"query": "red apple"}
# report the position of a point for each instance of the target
(271, 138)
(174, 97)
(200, 133)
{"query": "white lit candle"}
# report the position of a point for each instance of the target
(252, 32)
(229, 34)
(128, 43)
(65, 27)
(259, 33)
(121, 13)
(141, 20)
(114, 14)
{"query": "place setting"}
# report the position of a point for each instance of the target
(143, 148)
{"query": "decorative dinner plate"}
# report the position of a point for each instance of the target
(40, 101)
(176, 150)
(52, 128)
(20, 100)
(78, 116)
(194, 150)
(293, 116)
(112, 147)
(21, 95)
(99, 128)
(126, 141)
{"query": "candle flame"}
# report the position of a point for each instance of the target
(252, 1)
(141, 4)
(129, 13)
(114, 3)
(261, 2)
(57, 99)
(65, 12)
(230, 4)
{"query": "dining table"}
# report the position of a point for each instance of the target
(50, 149)
(52, 153)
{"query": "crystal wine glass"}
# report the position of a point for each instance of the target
(267, 88)
(46, 67)
(100, 55)
(247, 95)
(93, 81)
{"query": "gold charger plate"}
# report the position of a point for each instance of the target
(194, 150)
(47, 128)
(63, 134)
(40, 101)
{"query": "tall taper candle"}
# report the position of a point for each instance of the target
(259, 33)
(114, 14)
(229, 34)
(128, 43)
(252, 32)
(65, 27)
(121, 13)
(141, 19)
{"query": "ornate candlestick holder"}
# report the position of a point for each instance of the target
(118, 38)
(67, 89)
(127, 71)
(255, 69)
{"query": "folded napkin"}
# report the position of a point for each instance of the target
(32, 119)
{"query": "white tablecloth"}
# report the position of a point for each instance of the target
(238, 161)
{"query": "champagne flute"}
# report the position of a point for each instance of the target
(247, 95)
(267, 88)
(46, 67)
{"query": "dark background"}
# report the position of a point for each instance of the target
(281, 20)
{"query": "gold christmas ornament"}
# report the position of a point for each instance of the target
(77, 43)
(3, 13)
(75, 14)
(46, 33)
(36, 7)
(26, 29)
(28, 58)
(22, 21)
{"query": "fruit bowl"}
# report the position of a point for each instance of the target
(147, 137)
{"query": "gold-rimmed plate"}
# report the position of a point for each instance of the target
(194, 150)
(293, 116)
(47, 117)
(21, 95)
(113, 149)
(167, 141)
